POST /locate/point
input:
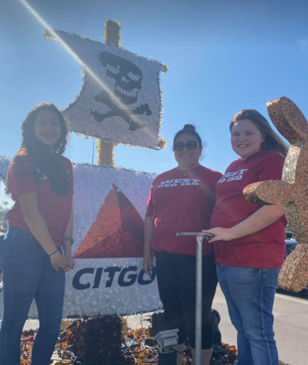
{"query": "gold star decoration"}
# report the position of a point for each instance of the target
(291, 191)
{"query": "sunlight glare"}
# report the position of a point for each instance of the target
(51, 33)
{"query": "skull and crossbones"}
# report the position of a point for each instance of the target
(127, 79)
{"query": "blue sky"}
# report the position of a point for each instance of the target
(222, 55)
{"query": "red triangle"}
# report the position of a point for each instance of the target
(116, 232)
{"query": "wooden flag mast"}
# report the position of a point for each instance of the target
(112, 35)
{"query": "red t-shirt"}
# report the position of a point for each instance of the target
(181, 201)
(54, 208)
(263, 249)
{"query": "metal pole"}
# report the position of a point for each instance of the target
(198, 329)
(198, 325)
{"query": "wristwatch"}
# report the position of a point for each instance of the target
(70, 239)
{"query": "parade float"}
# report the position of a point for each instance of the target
(121, 102)
(109, 201)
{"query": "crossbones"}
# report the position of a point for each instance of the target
(116, 111)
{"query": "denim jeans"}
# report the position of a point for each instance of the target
(250, 294)
(27, 274)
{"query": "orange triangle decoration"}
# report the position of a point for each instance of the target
(116, 232)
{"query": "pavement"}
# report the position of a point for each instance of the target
(291, 326)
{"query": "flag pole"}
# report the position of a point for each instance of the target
(105, 150)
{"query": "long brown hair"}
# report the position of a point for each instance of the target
(272, 142)
(44, 159)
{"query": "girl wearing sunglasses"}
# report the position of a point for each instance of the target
(249, 239)
(182, 200)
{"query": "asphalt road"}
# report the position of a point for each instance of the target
(291, 326)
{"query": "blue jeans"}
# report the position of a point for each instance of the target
(27, 274)
(250, 297)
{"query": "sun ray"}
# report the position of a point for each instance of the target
(50, 32)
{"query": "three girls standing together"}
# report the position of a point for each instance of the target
(248, 244)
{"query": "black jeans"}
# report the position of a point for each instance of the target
(176, 277)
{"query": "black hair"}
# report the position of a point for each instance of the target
(188, 129)
(271, 142)
(44, 159)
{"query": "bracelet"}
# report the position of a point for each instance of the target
(70, 239)
(53, 253)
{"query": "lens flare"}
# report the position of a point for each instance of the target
(51, 33)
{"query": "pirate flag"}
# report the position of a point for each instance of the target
(120, 100)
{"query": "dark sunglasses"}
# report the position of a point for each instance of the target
(190, 145)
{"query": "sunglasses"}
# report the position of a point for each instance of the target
(190, 145)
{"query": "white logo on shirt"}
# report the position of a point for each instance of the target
(178, 182)
(231, 176)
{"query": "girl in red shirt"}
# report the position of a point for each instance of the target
(40, 181)
(249, 239)
(182, 200)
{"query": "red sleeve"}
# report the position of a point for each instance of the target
(150, 206)
(21, 178)
(211, 177)
(271, 167)
(216, 177)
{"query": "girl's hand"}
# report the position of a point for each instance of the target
(70, 260)
(220, 234)
(148, 263)
(59, 262)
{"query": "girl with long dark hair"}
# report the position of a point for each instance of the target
(36, 251)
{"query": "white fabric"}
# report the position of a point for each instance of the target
(115, 128)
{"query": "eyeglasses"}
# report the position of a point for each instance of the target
(190, 145)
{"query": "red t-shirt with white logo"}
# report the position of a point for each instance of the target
(263, 249)
(182, 201)
(54, 208)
